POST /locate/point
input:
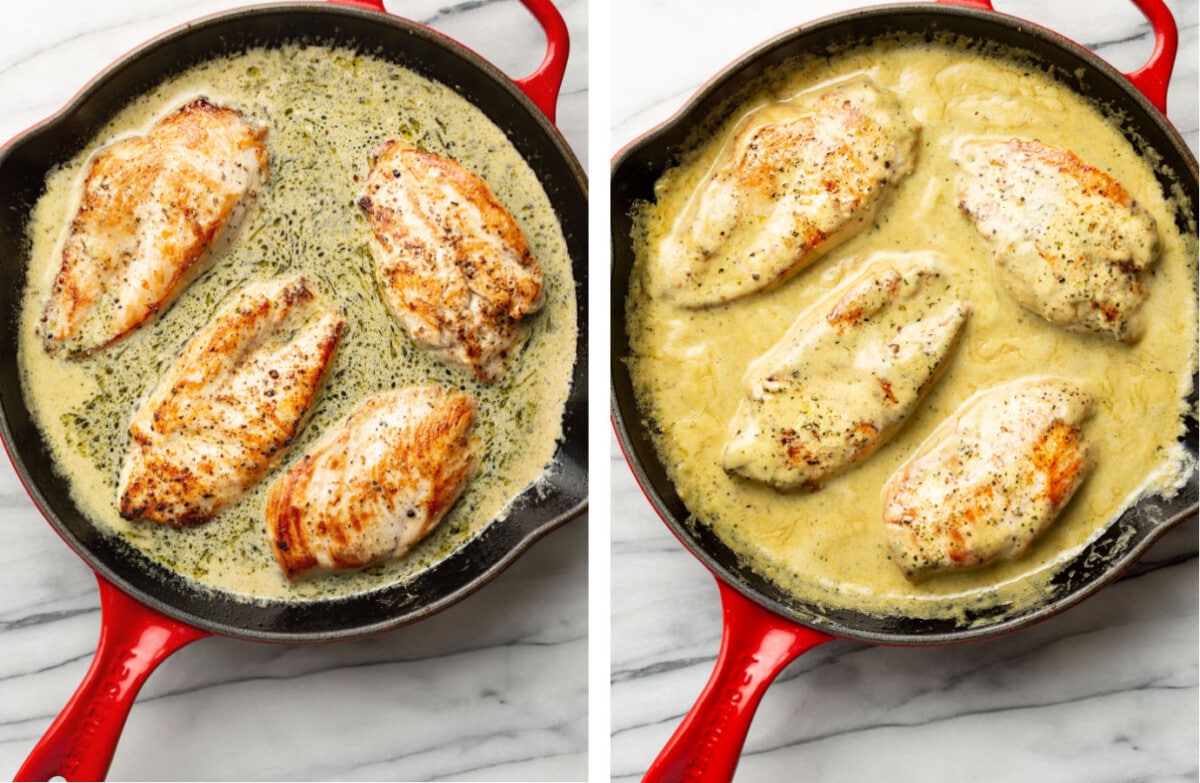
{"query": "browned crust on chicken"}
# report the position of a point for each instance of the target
(150, 208)
(794, 181)
(846, 375)
(376, 483)
(225, 412)
(1070, 242)
(990, 479)
(452, 262)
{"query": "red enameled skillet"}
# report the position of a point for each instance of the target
(765, 628)
(148, 612)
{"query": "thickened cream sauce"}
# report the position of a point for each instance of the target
(327, 110)
(827, 547)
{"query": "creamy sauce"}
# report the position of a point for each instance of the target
(327, 110)
(827, 547)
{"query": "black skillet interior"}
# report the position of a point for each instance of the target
(23, 168)
(637, 168)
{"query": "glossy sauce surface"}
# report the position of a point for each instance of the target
(828, 546)
(327, 110)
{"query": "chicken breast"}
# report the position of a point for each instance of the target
(225, 412)
(990, 479)
(151, 210)
(1069, 241)
(452, 262)
(793, 182)
(846, 374)
(375, 484)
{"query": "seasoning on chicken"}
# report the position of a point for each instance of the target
(990, 479)
(846, 374)
(1069, 241)
(224, 413)
(153, 210)
(794, 182)
(376, 483)
(453, 264)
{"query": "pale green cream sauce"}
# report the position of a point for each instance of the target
(327, 110)
(828, 547)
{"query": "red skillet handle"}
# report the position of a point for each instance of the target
(543, 85)
(1152, 78)
(756, 645)
(134, 639)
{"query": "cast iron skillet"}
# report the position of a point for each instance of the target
(149, 612)
(764, 627)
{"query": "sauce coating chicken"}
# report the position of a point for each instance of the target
(224, 413)
(990, 479)
(453, 264)
(792, 183)
(376, 483)
(846, 374)
(1069, 241)
(151, 210)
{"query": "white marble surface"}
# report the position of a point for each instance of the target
(1105, 692)
(494, 688)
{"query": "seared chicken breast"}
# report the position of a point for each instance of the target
(375, 484)
(1069, 241)
(452, 262)
(151, 209)
(990, 479)
(225, 412)
(794, 181)
(846, 374)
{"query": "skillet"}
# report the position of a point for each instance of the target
(764, 626)
(147, 613)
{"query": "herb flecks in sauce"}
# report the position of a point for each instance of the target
(828, 547)
(327, 111)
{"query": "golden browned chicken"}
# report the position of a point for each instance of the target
(375, 484)
(990, 479)
(151, 210)
(453, 264)
(1069, 241)
(224, 413)
(793, 182)
(846, 374)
